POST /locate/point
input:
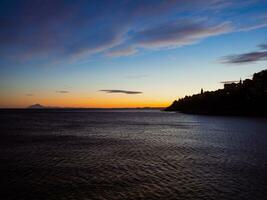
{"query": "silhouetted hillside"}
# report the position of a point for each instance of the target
(244, 98)
(36, 106)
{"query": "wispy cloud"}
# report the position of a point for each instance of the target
(170, 35)
(228, 82)
(178, 33)
(73, 30)
(254, 22)
(121, 51)
(121, 91)
(253, 27)
(29, 95)
(263, 46)
(62, 91)
(247, 57)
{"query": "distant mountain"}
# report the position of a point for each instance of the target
(36, 106)
(244, 98)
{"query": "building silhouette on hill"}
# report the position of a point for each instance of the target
(248, 97)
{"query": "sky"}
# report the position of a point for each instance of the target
(126, 53)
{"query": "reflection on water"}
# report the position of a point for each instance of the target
(131, 154)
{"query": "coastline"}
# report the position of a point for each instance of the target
(245, 98)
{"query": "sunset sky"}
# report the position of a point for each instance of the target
(127, 53)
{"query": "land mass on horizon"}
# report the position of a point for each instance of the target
(40, 106)
(36, 106)
(246, 97)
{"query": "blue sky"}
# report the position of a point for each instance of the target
(126, 53)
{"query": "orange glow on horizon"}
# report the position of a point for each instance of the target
(84, 103)
(103, 104)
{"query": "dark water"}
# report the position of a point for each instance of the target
(131, 155)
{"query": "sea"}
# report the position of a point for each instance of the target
(84, 154)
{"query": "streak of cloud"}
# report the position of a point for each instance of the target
(263, 46)
(170, 35)
(62, 91)
(125, 51)
(178, 34)
(121, 91)
(71, 31)
(247, 57)
(228, 82)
